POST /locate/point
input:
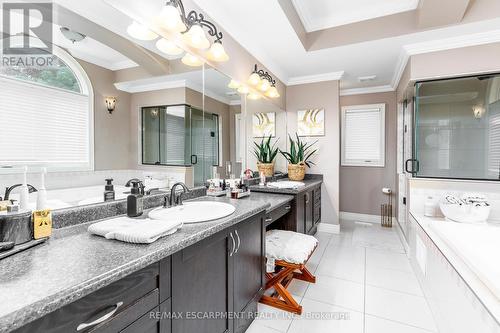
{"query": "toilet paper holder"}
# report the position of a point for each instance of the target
(386, 209)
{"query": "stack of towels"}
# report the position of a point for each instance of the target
(139, 231)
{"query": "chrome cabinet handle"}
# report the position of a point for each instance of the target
(234, 244)
(307, 198)
(288, 207)
(268, 219)
(102, 319)
(239, 241)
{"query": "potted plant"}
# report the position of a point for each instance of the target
(298, 157)
(265, 154)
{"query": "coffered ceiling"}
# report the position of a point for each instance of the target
(314, 40)
(318, 15)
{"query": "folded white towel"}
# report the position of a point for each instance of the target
(292, 247)
(286, 184)
(130, 230)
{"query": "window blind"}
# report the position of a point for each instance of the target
(363, 135)
(44, 126)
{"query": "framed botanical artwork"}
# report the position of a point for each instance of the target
(264, 125)
(311, 122)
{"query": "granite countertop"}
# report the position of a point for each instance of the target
(309, 183)
(74, 263)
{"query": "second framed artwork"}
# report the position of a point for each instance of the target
(264, 125)
(311, 122)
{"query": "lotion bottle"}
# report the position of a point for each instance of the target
(41, 202)
(24, 191)
(135, 201)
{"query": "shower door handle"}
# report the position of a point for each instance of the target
(415, 166)
(194, 159)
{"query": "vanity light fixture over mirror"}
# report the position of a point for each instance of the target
(191, 27)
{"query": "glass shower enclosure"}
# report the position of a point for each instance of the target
(457, 128)
(180, 135)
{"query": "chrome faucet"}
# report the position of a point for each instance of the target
(31, 189)
(177, 199)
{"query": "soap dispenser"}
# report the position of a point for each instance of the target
(135, 205)
(109, 191)
(24, 191)
(41, 201)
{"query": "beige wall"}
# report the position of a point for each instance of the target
(463, 61)
(361, 187)
(233, 110)
(111, 131)
(321, 95)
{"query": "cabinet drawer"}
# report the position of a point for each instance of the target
(165, 279)
(155, 321)
(278, 212)
(124, 293)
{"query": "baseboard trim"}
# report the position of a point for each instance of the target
(360, 217)
(329, 228)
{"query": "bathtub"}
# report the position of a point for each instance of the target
(478, 246)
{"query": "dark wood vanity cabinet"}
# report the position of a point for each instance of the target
(218, 277)
(114, 308)
(196, 290)
(307, 211)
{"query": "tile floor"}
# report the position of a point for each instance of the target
(365, 284)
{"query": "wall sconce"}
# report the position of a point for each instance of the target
(478, 111)
(110, 104)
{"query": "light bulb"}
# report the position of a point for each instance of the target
(254, 79)
(217, 52)
(191, 60)
(273, 92)
(139, 31)
(234, 84)
(253, 96)
(264, 85)
(196, 38)
(171, 19)
(243, 90)
(168, 47)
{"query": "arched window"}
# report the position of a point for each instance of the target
(46, 114)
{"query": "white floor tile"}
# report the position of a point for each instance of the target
(335, 291)
(298, 287)
(257, 327)
(387, 260)
(273, 318)
(393, 279)
(319, 317)
(379, 325)
(353, 270)
(396, 306)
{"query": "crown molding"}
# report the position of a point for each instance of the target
(235, 102)
(332, 76)
(367, 90)
(146, 85)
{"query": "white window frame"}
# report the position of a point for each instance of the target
(86, 89)
(366, 163)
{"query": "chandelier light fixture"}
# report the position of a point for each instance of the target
(195, 31)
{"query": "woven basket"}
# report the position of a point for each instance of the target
(296, 171)
(267, 168)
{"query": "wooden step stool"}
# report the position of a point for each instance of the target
(281, 278)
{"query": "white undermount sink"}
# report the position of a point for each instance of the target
(193, 212)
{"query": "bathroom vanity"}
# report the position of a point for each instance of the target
(305, 210)
(207, 277)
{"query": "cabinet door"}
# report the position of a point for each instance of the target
(248, 269)
(299, 222)
(317, 205)
(309, 206)
(200, 286)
